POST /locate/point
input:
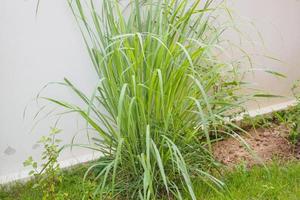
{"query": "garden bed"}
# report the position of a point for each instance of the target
(280, 181)
(266, 144)
(269, 140)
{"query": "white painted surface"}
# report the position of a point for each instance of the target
(35, 51)
(279, 24)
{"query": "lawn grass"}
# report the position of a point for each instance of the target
(72, 187)
(280, 182)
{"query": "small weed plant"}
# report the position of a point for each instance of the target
(49, 176)
(290, 117)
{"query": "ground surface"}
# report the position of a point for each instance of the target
(266, 144)
(277, 181)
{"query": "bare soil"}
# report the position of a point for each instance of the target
(266, 144)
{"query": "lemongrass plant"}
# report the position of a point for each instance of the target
(163, 94)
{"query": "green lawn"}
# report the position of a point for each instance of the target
(72, 186)
(279, 183)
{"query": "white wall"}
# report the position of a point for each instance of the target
(37, 50)
(278, 22)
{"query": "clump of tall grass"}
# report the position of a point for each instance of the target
(163, 94)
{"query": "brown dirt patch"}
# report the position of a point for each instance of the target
(297, 150)
(265, 143)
